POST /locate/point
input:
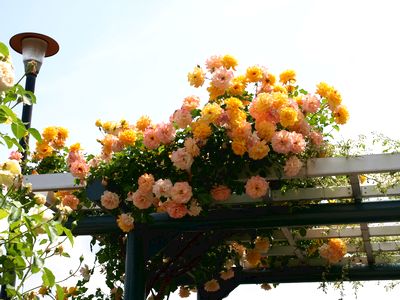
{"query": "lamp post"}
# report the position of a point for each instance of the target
(33, 47)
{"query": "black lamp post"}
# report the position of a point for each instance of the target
(33, 47)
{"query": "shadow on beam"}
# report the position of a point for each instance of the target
(269, 217)
(258, 217)
(314, 274)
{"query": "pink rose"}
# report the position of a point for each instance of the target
(221, 78)
(150, 139)
(298, 142)
(190, 103)
(146, 182)
(214, 62)
(282, 142)
(15, 155)
(256, 187)
(292, 166)
(74, 156)
(109, 200)
(79, 169)
(316, 138)
(191, 147)
(182, 118)
(220, 193)
(182, 159)
(71, 201)
(162, 188)
(311, 104)
(175, 210)
(165, 133)
(141, 200)
(181, 192)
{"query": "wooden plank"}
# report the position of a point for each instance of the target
(287, 233)
(347, 232)
(290, 250)
(345, 261)
(364, 164)
(367, 243)
(51, 182)
(316, 167)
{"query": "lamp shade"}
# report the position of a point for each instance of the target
(34, 47)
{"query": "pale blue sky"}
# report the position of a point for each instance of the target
(122, 59)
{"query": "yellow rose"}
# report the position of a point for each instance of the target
(239, 146)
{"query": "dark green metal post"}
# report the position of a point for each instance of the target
(27, 112)
(134, 267)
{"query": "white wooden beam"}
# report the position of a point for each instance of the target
(51, 182)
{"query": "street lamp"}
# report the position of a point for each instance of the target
(33, 47)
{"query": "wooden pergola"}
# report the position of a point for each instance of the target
(367, 217)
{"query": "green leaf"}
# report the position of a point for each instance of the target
(60, 292)
(15, 214)
(68, 233)
(304, 92)
(3, 214)
(51, 232)
(38, 263)
(44, 241)
(8, 140)
(8, 112)
(19, 262)
(48, 277)
(59, 228)
(4, 50)
(18, 130)
(29, 98)
(35, 133)
(35, 269)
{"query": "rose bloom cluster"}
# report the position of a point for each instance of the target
(250, 258)
(53, 139)
(333, 251)
(278, 118)
(77, 164)
(258, 113)
(6, 74)
(174, 199)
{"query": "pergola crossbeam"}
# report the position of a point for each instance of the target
(357, 217)
(292, 243)
(367, 244)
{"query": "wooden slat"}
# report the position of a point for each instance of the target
(347, 232)
(316, 167)
(51, 182)
(286, 232)
(365, 164)
(345, 261)
(367, 243)
(290, 250)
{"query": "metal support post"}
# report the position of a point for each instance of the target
(27, 112)
(134, 267)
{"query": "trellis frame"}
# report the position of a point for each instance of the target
(234, 219)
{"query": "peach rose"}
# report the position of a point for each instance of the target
(256, 187)
(175, 210)
(220, 193)
(181, 192)
(109, 200)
